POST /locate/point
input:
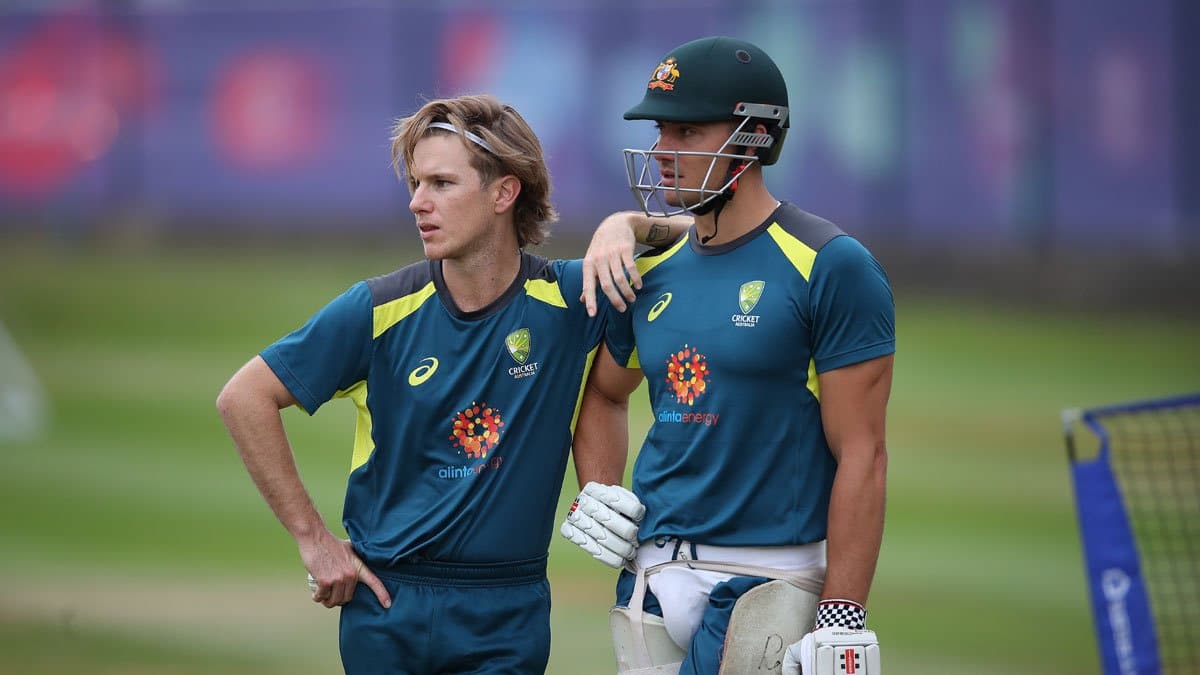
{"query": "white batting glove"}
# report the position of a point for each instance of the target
(834, 651)
(604, 522)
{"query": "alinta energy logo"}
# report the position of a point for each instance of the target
(689, 377)
(519, 344)
(476, 431)
(748, 296)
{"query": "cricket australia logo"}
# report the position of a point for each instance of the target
(519, 344)
(748, 296)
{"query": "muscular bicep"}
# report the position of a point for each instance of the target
(610, 380)
(854, 405)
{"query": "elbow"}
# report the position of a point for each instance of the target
(225, 399)
(233, 396)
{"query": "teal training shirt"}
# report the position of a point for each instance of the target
(465, 419)
(731, 339)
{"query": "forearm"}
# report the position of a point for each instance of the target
(257, 430)
(601, 442)
(656, 231)
(856, 511)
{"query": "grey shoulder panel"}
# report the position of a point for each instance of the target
(402, 282)
(813, 231)
(537, 267)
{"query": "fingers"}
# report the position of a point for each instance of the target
(332, 593)
(341, 590)
(368, 577)
(621, 285)
(631, 269)
(600, 515)
(594, 548)
(605, 274)
(618, 498)
(617, 274)
(604, 534)
(589, 286)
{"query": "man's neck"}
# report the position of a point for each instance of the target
(752, 204)
(476, 281)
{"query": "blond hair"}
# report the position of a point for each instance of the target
(515, 150)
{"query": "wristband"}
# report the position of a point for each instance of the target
(840, 613)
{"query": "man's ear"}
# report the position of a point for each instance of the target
(506, 191)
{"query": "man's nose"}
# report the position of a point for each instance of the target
(418, 203)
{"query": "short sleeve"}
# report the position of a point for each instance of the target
(853, 311)
(570, 283)
(618, 337)
(327, 354)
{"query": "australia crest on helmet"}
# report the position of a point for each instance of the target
(664, 75)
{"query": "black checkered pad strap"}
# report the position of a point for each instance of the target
(839, 613)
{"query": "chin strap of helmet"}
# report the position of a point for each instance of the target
(718, 203)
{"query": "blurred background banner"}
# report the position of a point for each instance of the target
(946, 123)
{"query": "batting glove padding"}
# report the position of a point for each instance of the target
(834, 651)
(604, 522)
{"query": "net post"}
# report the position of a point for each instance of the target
(1070, 417)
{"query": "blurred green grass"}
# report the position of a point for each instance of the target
(133, 541)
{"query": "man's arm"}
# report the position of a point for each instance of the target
(604, 517)
(609, 258)
(853, 411)
(602, 432)
(250, 405)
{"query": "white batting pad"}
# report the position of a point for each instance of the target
(632, 632)
(766, 620)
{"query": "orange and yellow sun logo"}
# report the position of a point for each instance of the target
(688, 373)
(477, 430)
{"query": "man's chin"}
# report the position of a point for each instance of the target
(435, 251)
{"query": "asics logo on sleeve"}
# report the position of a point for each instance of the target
(663, 301)
(428, 367)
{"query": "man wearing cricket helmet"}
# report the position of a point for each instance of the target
(766, 335)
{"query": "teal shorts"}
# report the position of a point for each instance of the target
(450, 618)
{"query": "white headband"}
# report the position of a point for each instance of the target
(474, 138)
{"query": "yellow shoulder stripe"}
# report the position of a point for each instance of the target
(391, 313)
(546, 291)
(647, 263)
(796, 251)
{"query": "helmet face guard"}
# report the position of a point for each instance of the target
(643, 168)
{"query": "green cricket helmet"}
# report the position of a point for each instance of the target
(710, 80)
